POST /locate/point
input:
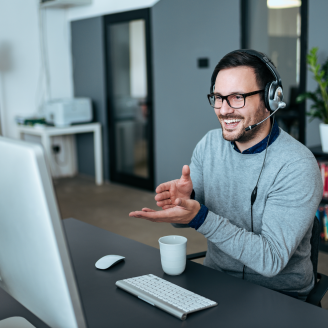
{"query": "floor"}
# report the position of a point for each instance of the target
(108, 207)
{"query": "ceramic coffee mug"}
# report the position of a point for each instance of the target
(173, 251)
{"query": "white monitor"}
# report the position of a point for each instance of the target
(35, 266)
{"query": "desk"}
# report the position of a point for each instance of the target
(241, 304)
(48, 131)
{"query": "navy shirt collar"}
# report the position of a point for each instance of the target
(259, 147)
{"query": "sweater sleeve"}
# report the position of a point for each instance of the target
(196, 171)
(289, 212)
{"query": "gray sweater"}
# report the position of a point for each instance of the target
(277, 253)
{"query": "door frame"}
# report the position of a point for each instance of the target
(115, 176)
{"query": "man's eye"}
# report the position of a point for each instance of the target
(238, 97)
(217, 97)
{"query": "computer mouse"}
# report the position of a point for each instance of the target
(107, 261)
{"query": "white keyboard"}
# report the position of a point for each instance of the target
(165, 295)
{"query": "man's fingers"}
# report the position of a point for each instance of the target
(146, 209)
(149, 215)
(145, 218)
(132, 214)
(164, 202)
(159, 216)
(164, 186)
(167, 206)
(185, 172)
(178, 202)
(163, 195)
(186, 203)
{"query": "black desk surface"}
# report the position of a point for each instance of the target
(241, 304)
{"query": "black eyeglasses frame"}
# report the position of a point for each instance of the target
(245, 95)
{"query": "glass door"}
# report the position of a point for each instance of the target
(274, 27)
(130, 98)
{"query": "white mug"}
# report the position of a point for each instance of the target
(173, 251)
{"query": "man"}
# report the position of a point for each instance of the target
(267, 243)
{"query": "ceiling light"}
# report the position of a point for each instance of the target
(281, 4)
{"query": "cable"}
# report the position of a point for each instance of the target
(254, 192)
(266, 149)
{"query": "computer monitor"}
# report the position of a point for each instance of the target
(35, 266)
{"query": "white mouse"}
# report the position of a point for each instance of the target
(108, 260)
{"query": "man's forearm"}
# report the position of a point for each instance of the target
(257, 252)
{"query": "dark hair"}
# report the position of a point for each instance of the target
(238, 58)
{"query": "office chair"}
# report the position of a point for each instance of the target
(321, 286)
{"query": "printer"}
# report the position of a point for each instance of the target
(66, 111)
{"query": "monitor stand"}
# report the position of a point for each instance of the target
(15, 322)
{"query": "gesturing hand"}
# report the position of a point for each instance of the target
(183, 212)
(168, 192)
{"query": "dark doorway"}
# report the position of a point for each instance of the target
(129, 98)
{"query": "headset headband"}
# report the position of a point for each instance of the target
(264, 59)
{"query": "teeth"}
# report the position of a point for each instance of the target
(231, 121)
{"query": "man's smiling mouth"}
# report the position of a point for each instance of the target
(231, 123)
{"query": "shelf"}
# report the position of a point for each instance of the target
(319, 154)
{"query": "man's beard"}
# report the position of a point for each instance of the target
(245, 136)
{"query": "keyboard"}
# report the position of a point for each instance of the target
(165, 295)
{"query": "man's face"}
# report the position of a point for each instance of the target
(239, 80)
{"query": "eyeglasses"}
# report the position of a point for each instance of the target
(236, 100)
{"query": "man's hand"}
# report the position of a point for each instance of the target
(182, 212)
(169, 192)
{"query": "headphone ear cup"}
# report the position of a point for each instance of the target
(266, 96)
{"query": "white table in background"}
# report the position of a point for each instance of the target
(47, 132)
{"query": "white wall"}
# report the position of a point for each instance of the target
(59, 53)
(318, 25)
(20, 60)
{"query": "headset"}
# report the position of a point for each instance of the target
(273, 94)
(273, 99)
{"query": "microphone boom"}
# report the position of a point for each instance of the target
(281, 105)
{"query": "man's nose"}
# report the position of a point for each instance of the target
(225, 108)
